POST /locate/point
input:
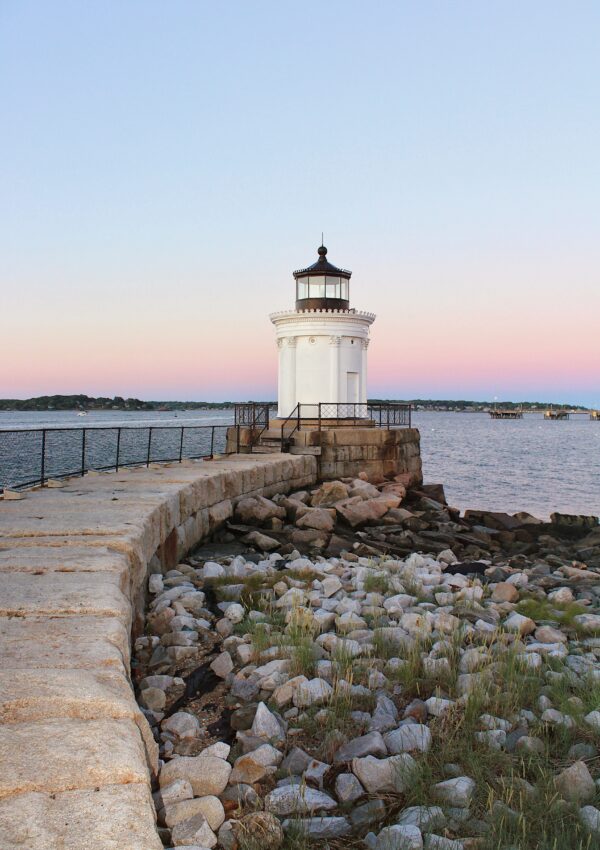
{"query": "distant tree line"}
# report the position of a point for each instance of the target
(85, 402)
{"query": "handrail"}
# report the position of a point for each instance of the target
(295, 413)
(54, 452)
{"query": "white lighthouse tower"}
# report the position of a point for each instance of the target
(322, 344)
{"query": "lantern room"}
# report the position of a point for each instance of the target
(322, 286)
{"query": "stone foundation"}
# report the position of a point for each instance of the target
(344, 452)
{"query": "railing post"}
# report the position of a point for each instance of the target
(149, 444)
(82, 452)
(238, 438)
(212, 441)
(118, 448)
(181, 445)
(43, 469)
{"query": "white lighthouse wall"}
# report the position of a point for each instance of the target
(322, 358)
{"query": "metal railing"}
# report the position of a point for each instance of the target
(32, 457)
(252, 415)
(353, 414)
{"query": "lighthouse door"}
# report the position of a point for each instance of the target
(352, 390)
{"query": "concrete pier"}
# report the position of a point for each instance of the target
(77, 754)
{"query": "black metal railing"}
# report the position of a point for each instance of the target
(353, 414)
(252, 415)
(31, 457)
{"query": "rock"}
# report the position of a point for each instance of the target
(298, 799)
(317, 519)
(235, 612)
(182, 725)
(593, 720)
(331, 585)
(360, 513)
(426, 818)
(153, 698)
(318, 828)
(588, 623)
(518, 623)
(177, 791)
(408, 738)
(347, 788)
(546, 634)
(256, 510)
(206, 774)
(312, 692)
(261, 541)
(260, 828)
(562, 595)
(210, 807)
(455, 792)
(329, 493)
(590, 818)
(367, 745)
(255, 765)
(266, 725)
(575, 783)
(529, 744)
(436, 706)
(399, 837)
(389, 774)
(222, 665)
(195, 830)
(438, 842)
(373, 811)
(505, 592)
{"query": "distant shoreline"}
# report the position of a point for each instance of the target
(78, 403)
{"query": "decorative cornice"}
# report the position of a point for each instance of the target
(335, 340)
(365, 343)
(291, 341)
(346, 314)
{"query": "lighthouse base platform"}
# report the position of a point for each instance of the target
(341, 451)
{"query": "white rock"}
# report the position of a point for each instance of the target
(408, 738)
(266, 725)
(455, 792)
(348, 788)
(182, 725)
(390, 774)
(426, 818)
(222, 665)
(155, 583)
(399, 837)
(298, 799)
(590, 818)
(593, 720)
(436, 706)
(234, 612)
(219, 750)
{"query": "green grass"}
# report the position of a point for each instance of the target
(562, 613)
(377, 583)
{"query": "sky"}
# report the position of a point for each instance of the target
(165, 166)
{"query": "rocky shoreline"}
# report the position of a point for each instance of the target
(361, 666)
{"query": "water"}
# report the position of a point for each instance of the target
(525, 464)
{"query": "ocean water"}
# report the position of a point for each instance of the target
(525, 464)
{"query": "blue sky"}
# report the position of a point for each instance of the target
(166, 166)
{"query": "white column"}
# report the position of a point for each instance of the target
(363, 372)
(334, 369)
(290, 372)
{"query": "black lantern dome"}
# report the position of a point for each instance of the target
(322, 286)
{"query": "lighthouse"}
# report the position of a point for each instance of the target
(322, 344)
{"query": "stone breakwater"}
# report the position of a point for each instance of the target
(78, 756)
(337, 688)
